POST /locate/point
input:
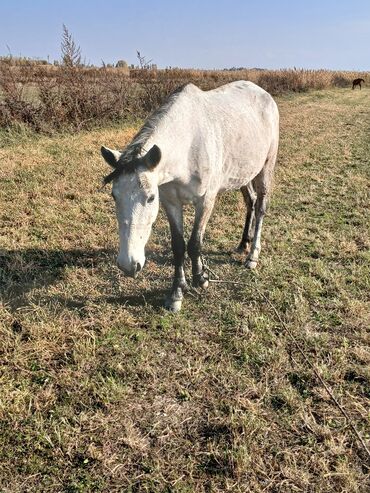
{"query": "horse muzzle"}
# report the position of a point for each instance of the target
(132, 270)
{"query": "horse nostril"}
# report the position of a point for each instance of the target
(138, 267)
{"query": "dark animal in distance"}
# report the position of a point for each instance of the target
(357, 82)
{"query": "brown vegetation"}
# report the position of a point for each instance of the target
(70, 96)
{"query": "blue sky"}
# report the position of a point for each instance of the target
(194, 33)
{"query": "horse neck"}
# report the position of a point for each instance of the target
(167, 168)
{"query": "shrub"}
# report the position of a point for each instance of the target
(71, 96)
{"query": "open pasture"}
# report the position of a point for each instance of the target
(102, 390)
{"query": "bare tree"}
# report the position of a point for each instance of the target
(71, 52)
(143, 62)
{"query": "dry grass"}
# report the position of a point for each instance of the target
(102, 390)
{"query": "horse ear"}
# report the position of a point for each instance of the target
(152, 157)
(111, 156)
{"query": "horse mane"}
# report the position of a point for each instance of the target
(129, 160)
(146, 131)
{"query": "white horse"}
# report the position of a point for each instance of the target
(197, 144)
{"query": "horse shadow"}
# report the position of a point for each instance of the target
(24, 270)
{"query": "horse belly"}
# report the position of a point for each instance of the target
(241, 167)
(244, 152)
(239, 177)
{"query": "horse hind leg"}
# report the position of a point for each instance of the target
(262, 184)
(250, 197)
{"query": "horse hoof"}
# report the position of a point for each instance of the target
(173, 306)
(251, 264)
(201, 281)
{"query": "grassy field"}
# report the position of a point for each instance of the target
(103, 391)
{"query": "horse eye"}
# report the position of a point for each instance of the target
(151, 199)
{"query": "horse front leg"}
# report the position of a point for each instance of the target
(203, 211)
(174, 299)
